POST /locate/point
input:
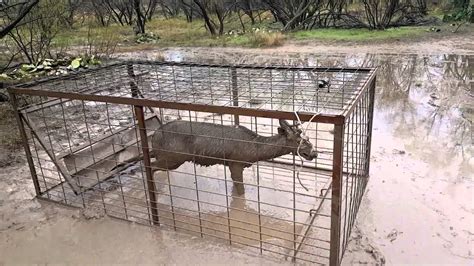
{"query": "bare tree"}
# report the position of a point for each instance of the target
(72, 6)
(12, 13)
(203, 9)
(336, 8)
(248, 7)
(422, 6)
(188, 9)
(296, 14)
(121, 10)
(208, 8)
(170, 8)
(125, 12)
(33, 37)
(381, 14)
(100, 11)
(140, 17)
(150, 8)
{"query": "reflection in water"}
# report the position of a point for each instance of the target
(426, 101)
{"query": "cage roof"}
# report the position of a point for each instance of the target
(269, 91)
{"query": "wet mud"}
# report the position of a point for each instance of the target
(417, 207)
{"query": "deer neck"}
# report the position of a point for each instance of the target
(272, 147)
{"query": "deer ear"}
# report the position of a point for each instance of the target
(284, 124)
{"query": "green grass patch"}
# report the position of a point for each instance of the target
(171, 32)
(179, 32)
(359, 34)
(176, 31)
(89, 34)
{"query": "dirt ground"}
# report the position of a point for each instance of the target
(418, 207)
(445, 41)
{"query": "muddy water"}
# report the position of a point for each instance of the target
(419, 202)
(418, 205)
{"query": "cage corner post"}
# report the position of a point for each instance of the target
(336, 197)
(26, 146)
(153, 203)
(371, 122)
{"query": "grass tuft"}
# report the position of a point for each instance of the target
(266, 39)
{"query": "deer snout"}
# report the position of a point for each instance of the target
(309, 155)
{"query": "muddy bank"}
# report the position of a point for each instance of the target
(417, 207)
(435, 44)
(70, 238)
(461, 43)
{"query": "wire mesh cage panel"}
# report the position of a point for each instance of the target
(272, 159)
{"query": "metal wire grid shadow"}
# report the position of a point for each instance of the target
(81, 133)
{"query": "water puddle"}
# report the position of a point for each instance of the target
(422, 152)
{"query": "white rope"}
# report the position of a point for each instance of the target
(304, 136)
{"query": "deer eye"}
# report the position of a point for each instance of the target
(297, 130)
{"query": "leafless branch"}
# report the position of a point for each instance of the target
(24, 11)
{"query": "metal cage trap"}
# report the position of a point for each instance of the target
(82, 131)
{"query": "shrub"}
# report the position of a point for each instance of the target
(32, 39)
(267, 39)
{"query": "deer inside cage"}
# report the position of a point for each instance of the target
(273, 159)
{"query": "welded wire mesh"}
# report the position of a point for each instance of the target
(262, 88)
(81, 128)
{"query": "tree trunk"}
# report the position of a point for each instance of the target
(241, 22)
(141, 20)
(206, 17)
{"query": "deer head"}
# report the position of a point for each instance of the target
(294, 139)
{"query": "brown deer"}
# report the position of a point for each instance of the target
(237, 147)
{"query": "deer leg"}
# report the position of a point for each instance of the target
(236, 173)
